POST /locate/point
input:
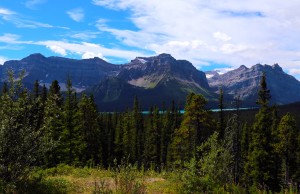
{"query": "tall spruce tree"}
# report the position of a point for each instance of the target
(53, 124)
(138, 129)
(72, 136)
(288, 147)
(221, 123)
(260, 166)
(194, 129)
(90, 129)
(152, 141)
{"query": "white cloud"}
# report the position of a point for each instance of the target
(85, 49)
(89, 55)
(31, 4)
(106, 3)
(221, 36)
(4, 11)
(231, 32)
(84, 35)
(57, 49)
(294, 71)
(2, 60)
(13, 39)
(9, 38)
(76, 14)
(21, 22)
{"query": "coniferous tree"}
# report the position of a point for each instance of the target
(232, 143)
(72, 136)
(221, 123)
(36, 89)
(37, 107)
(89, 126)
(260, 165)
(138, 129)
(118, 140)
(127, 143)
(288, 148)
(4, 88)
(152, 141)
(44, 94)
(22, 144)
(194, 129)
(169, 123)
(53, 124)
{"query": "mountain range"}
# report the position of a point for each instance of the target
(156, 80)
(244, 82)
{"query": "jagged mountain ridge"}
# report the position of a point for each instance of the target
(84, 73)
(244, 82)
(147, 72)
(154, 80)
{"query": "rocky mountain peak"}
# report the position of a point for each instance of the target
(243, 67)
(244, 82)
(35, 56)
(165, 58)
(277, 67)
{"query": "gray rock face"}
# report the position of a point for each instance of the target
(244, 82)
(154, 80)
(149, 72)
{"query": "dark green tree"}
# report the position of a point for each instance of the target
(137, 130)
(260, 165)
(22, 144)
(4, 88)
(53, 124)
(221, 123)
(152, 141)
(194, 129)
(288, 148)
(72, 137)
(88, 124)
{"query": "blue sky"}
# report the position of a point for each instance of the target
(211, 34)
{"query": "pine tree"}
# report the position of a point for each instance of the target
(89, 126)
(38, 107)
(118, 140)
(194, 129)
(22, 144)
(138, 129)
(127, 143)
(288, 148)
(44, 94)
(170, 122)
(221, 123)
(152, 141)
(53, 124)
(72, 136)
(260, 165)
(4, 88)
(263, 93)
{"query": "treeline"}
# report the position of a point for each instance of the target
(45, 128)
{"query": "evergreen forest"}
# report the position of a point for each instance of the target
(209, 152)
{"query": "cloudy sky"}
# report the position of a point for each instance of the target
(212, 34)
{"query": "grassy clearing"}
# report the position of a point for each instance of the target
(123, 179)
